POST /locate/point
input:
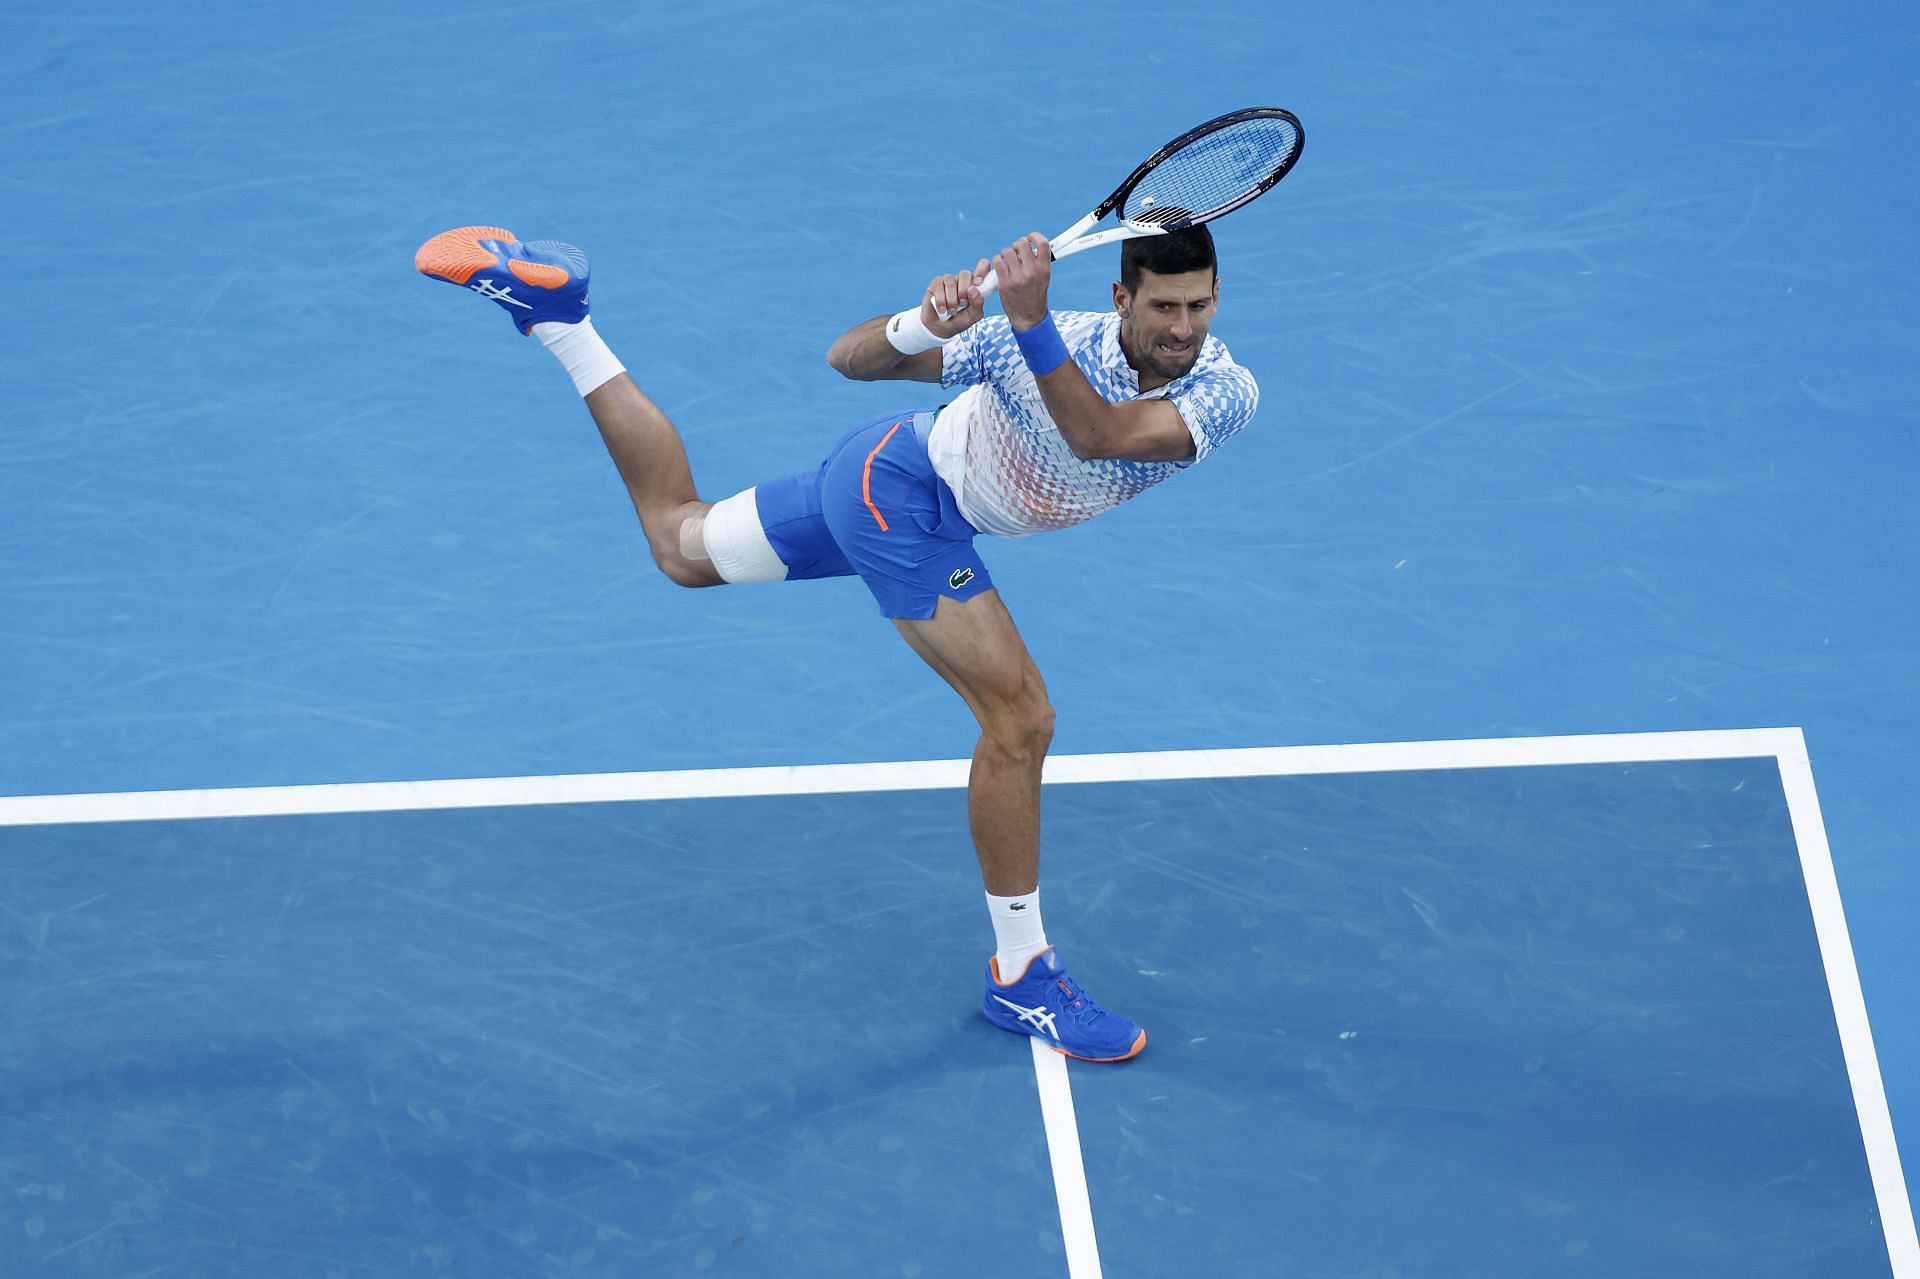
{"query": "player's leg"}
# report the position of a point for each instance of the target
(653, 463)
(901, 529)
(773, 532)
(975, 647)
(542, 286)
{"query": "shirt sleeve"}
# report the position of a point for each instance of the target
(963, 361)
(1216, 406)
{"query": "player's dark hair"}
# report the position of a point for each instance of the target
(1169, 254)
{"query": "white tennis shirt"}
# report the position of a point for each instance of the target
(1010, 469)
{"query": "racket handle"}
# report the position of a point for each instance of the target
(1068, 242)
(988, 287)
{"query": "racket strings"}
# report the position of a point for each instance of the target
(1213, 173)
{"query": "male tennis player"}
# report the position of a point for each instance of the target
(1059, 416)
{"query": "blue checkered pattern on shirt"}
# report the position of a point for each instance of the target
(1017, 474)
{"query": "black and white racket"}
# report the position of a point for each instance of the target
(1203, 174)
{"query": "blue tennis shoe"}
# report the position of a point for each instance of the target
(1050, 1006)
(534, 283)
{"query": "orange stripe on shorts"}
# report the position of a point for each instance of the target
(866, 476)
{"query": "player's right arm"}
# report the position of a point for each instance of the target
(865, 354)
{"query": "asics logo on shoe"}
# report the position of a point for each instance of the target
(1038, 1018)
(488, 289)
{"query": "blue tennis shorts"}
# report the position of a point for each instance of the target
(876, 508)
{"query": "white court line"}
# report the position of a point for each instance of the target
(1850, 1011)
(934, 774)
(1069, 1170)
(1786, 746)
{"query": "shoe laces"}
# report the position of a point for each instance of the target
(1078, 1005)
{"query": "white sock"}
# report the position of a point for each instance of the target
(1017, 932)
(588, 361)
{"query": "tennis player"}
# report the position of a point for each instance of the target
(1058, 416)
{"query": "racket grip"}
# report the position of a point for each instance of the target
(988, 287)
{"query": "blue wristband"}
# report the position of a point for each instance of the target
(1041, 346)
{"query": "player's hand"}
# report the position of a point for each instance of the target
(956, 296)
(1025, 267)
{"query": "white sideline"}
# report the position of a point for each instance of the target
(1787, 746)
(1850, 1011)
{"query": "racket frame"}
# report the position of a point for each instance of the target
(1075, 238)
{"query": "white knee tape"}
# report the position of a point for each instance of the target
(738, 545)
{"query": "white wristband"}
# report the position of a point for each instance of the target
(910, 335)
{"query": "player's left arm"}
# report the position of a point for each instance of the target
(1138, 430)
(866, 354)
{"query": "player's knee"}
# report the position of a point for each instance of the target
(668, 543)
(1040, 725)
(682, 571)
(1023, 725)
(680, 574)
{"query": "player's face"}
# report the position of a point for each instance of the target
(1164, 321)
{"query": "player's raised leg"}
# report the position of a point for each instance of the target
(976, 648)
(542, 286)
(646, 448)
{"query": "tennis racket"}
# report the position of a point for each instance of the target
(1205, 173)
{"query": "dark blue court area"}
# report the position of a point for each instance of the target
(1550, 1020)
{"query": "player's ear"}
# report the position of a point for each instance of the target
(1120, 298)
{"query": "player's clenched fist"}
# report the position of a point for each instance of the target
(1024, 268)
(957, 297)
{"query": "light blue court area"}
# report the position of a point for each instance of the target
(1558, 1019)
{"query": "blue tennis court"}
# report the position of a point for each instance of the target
(1565, 1016)
(1584, 344)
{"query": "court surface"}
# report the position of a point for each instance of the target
(1585, 343)
(1562, 1004)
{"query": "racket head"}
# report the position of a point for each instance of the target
(1209, 170)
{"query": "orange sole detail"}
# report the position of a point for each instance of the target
(539, 274)
(1128, 1055)
(455, 255)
